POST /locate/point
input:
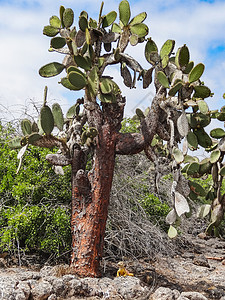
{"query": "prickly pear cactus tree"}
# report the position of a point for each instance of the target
(91, 127)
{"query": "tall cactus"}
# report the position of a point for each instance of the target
(92, 125)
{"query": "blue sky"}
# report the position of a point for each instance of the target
(197, 23)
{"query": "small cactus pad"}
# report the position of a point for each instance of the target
(58, 116)
(46, 119)
(172, 232)
(106, 86)
(202, 91)
(50, 31)
(196, 73)
(192, 141)
(214, 156)
(174, 89)
(15, 143)
(51, 69)
(178, 155)
(138, 19)
(197, 188)
(217, 133)
(181, 204)
(171, 217)
(32, 138)
(124, 12)
(55, 22)
(68, 17)
(58, 42)
(203, 106)
(141, 30)
(149, 48)
(193, 168)
(26, 127)
(163, 80)
(109, 19)
(167, 48)
(77, 79)
(182, 57)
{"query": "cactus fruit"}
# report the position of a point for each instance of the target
(26, 127)
(196, 73)
(58, 116)
(167, 48)
(46, 119)
(109, 19)
(124, 12)
(163, 80)
(68, 17)
(51, 69)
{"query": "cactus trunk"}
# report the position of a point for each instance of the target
(90, 200)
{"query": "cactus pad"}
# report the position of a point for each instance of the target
(138, 19)
(141, 30)
(58, 116)
(46, 119)
(109, 19)
(68, 17)
(51, 69)
(77, 79)
(196, 73)
(50, 31)
(58, 42)
(217, 133)
(124, 12)
(55, 22)
(163, 80)
(26, 127)
(167, 48)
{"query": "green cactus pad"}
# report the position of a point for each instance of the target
(163, 80)
(182, 57)
(190, 159)
(83, 23)
(55, 22)
(172, 232)
(193, 169)
(106, 86)
(220, 116)
(217, 133)
(192, 120)
(189, 67)
(34, 137)
(149, 48)
(109, 19)
(203, 107)
(83, 62)
(66, 83)
(116, 28)
(58, 116)
(58, 42)
(203, 138)
(93, 81)
(197, 188)
(134, 39)
(138, 19)
(139, 29)
(68, 17)
(196, 73)
(202, 91)
(202, 120)
(174, 89)
(50, 31)
(26, 127)
(46, 119)
(178, 155)
(167, 48)
(72, 112)
(140, 113)
(222, 171)
(205, 166)
(61, 11)
(77, 79)
(214, 156)
(15, 143)
(124, 12)
(107, 98)
(51, 69)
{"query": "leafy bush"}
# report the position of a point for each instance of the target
(35, 228)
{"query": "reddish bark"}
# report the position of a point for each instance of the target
(90, 200)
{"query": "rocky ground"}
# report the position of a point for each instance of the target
(197, 273)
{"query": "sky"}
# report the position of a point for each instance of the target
(24, 49)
